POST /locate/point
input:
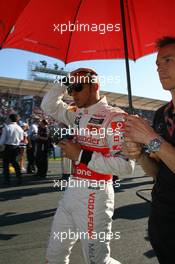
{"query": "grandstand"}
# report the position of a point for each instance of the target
(14, 90)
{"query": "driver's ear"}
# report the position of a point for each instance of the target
(95, 87)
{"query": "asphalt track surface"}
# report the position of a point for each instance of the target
(26, 214)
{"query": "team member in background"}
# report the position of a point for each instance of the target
(31, 146)
(12, 135)
(159, 161)
(96, 158)
(42, 144)
(22, 147)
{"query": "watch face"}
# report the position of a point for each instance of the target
(154, 145)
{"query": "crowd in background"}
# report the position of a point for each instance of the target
(37, 143)
(14, 103)
(32, 146)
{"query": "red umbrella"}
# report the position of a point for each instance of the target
(74, 30)
(9, 13)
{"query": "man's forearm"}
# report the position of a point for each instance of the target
(149, 165)
(53, 105)
(167, 155)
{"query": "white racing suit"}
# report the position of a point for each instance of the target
(86, 209)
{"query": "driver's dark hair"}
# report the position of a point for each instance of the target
(44, 121)
(13, 117)
(164, 41)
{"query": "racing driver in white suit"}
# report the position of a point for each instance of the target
(85, 209)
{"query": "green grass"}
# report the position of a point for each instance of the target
(55, 158)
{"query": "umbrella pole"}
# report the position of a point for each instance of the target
(8, 33)
(131, 110)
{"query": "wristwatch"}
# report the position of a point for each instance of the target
(154, 145)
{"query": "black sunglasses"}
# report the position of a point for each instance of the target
(77, 87)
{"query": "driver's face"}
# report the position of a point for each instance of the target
(166, 66)
(83, 97)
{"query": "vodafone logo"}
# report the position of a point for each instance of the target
(118, 125)
(91, 203)
(83, 172)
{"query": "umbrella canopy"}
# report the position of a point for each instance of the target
(9, 13)
(73, 30)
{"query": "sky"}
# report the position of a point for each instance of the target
(144, 77)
